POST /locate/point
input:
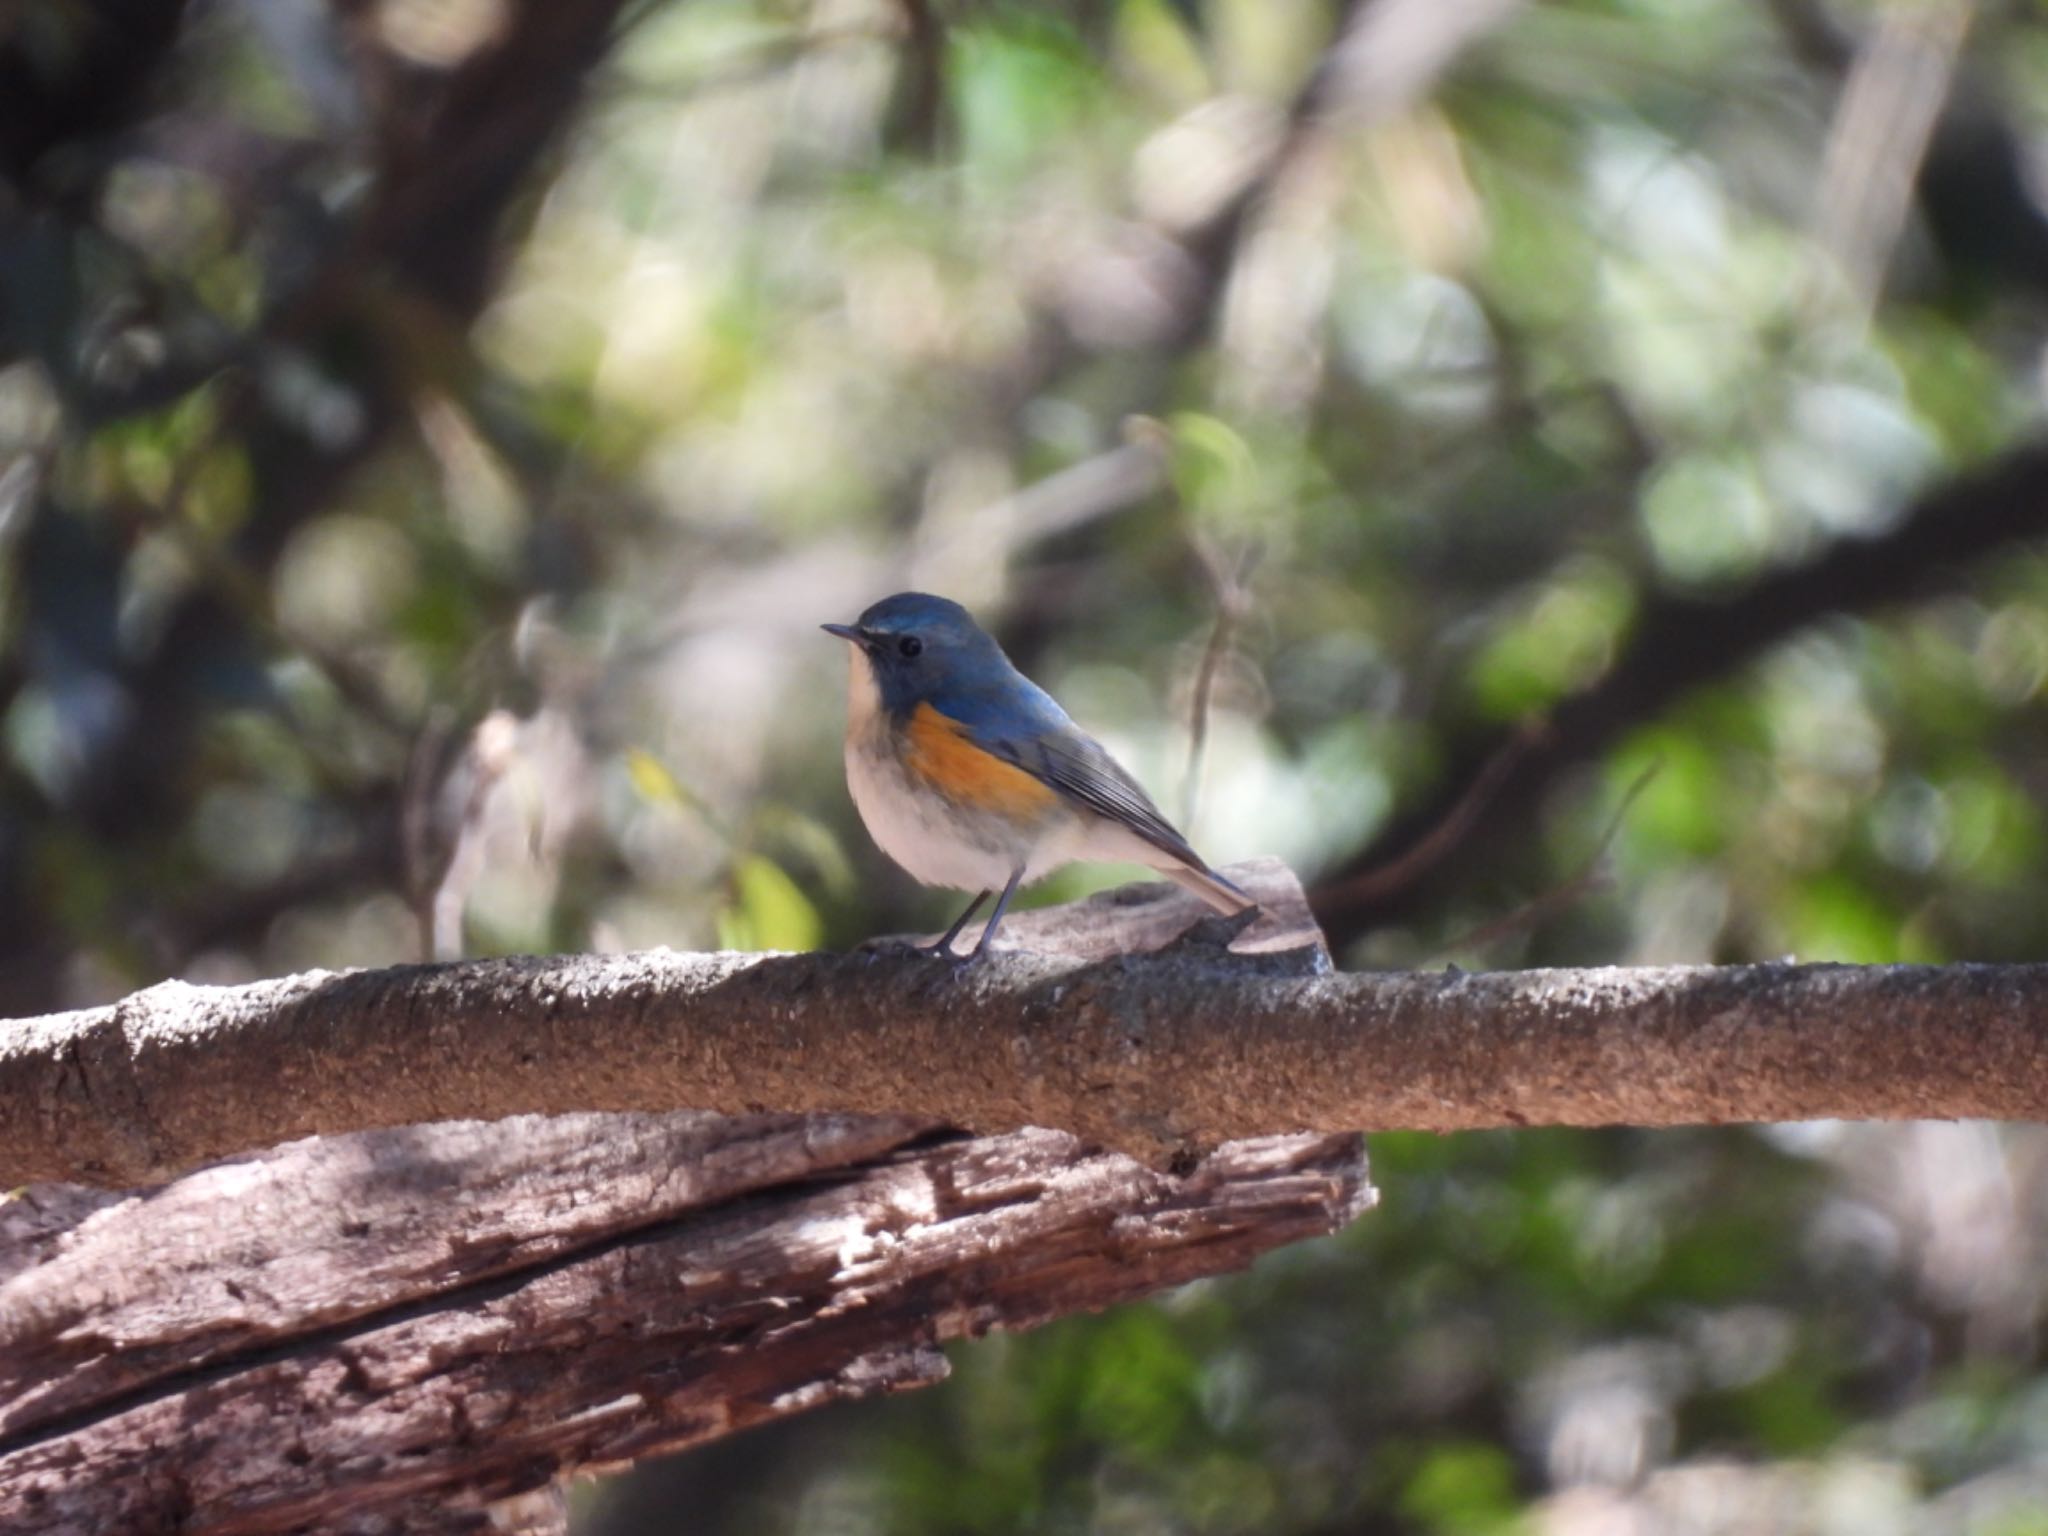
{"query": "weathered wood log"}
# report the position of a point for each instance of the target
(331, 1230)
(329, 1334)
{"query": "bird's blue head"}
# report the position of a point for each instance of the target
(919, 646)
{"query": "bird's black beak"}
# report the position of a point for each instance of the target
(848, 632)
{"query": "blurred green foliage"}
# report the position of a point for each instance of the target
(420, 483)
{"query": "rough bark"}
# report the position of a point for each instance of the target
(394, 1330)
(1152, 1053)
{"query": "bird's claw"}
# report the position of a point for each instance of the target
(892, 948)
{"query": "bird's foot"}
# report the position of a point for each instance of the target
(876, 949)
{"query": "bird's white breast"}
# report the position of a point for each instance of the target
(937, 843)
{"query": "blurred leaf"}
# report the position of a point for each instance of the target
(1953, 383)
(651, 778)
(1463, 1488)
(1158, 40)
(1212, 466)
(1788, 1412)
(1995, 830)
(768, 911)
(1020, 80)
(1680, 809)
(1559, 643)
(1140, 1387)
(1832, 917)
(813, 842)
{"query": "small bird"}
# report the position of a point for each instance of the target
(969, 775)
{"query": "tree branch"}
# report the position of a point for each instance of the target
(1151, 1053)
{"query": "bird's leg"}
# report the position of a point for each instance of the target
(995, 919)
(945, 945)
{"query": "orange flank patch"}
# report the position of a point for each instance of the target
(941, 754)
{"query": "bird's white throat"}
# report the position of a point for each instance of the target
(863, 694)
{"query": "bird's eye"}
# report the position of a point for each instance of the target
(909, 646)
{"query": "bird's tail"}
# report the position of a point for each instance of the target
(1210, 886)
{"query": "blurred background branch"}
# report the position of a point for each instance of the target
(1679, 645)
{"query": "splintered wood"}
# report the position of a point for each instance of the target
(342, 1328)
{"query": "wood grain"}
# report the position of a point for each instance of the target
(453, 1315)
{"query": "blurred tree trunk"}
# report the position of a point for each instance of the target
(368, 307)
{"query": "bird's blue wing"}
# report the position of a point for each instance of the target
(1027, 727)
(1078, 767)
